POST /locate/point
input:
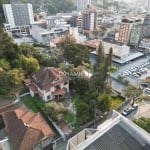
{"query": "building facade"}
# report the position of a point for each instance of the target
(135, 34)
(49, 83)
(89, 20)
(18, 14)
(124, 31)
(145, 32)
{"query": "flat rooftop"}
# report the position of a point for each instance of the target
(117, 138)
(131, 57)
(116, 133)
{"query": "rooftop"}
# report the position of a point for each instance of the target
(116, 133)
(48, 76)
(25, 129)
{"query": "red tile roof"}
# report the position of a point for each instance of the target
(34, 120)
(19, 134)
(39, 123)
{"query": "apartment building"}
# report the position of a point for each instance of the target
(18, 14)
(89, 19)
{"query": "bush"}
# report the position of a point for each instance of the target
(3, 91)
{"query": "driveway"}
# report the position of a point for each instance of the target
(143, 110)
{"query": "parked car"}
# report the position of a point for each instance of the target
(147, 91)
(127, 111)
(134, 107)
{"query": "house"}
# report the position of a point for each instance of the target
(26, 130)
(49, 83)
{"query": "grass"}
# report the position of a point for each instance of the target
(116, 101)
(33, 103)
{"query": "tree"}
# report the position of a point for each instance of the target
(143, 123)
(76, 54)
(17, 76)
(101, 71)
(81, 85)
(104, 102)
(5, 83)
(6, 45)
(83, 111)
(4, 65)
(26, 49)
(30, 64)
(66, 40)
(132, 92)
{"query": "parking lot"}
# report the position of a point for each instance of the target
(135, 72)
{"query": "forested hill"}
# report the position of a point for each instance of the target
(50, 6)
(53, 6)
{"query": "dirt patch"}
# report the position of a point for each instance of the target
(143, 110)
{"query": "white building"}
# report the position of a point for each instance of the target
(116, 133)
(49, 83)
(8, 12)
(82, 4)
(43, 35)
(18, 14)
(121, 51)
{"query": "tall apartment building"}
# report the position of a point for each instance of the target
(124, 31)
(135, 33)
(76, 21)
(18, 14)
(145, 32)
(82, 4)
(89, 19)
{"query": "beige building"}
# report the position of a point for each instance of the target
(124, 31)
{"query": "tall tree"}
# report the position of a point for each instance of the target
(104, 102)
(132, 92)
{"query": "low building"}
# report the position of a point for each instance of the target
(115, 133)
(43, 35)
(119, 50)
(49, 83)
(26, 130)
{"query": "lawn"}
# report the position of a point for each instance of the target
(116, 101)
(33, 103)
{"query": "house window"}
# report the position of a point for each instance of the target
(48, 97)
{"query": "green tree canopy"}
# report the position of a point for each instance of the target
(30, 64)
(5, 83)
(104, 102)
(76, 54)
(17, 76)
